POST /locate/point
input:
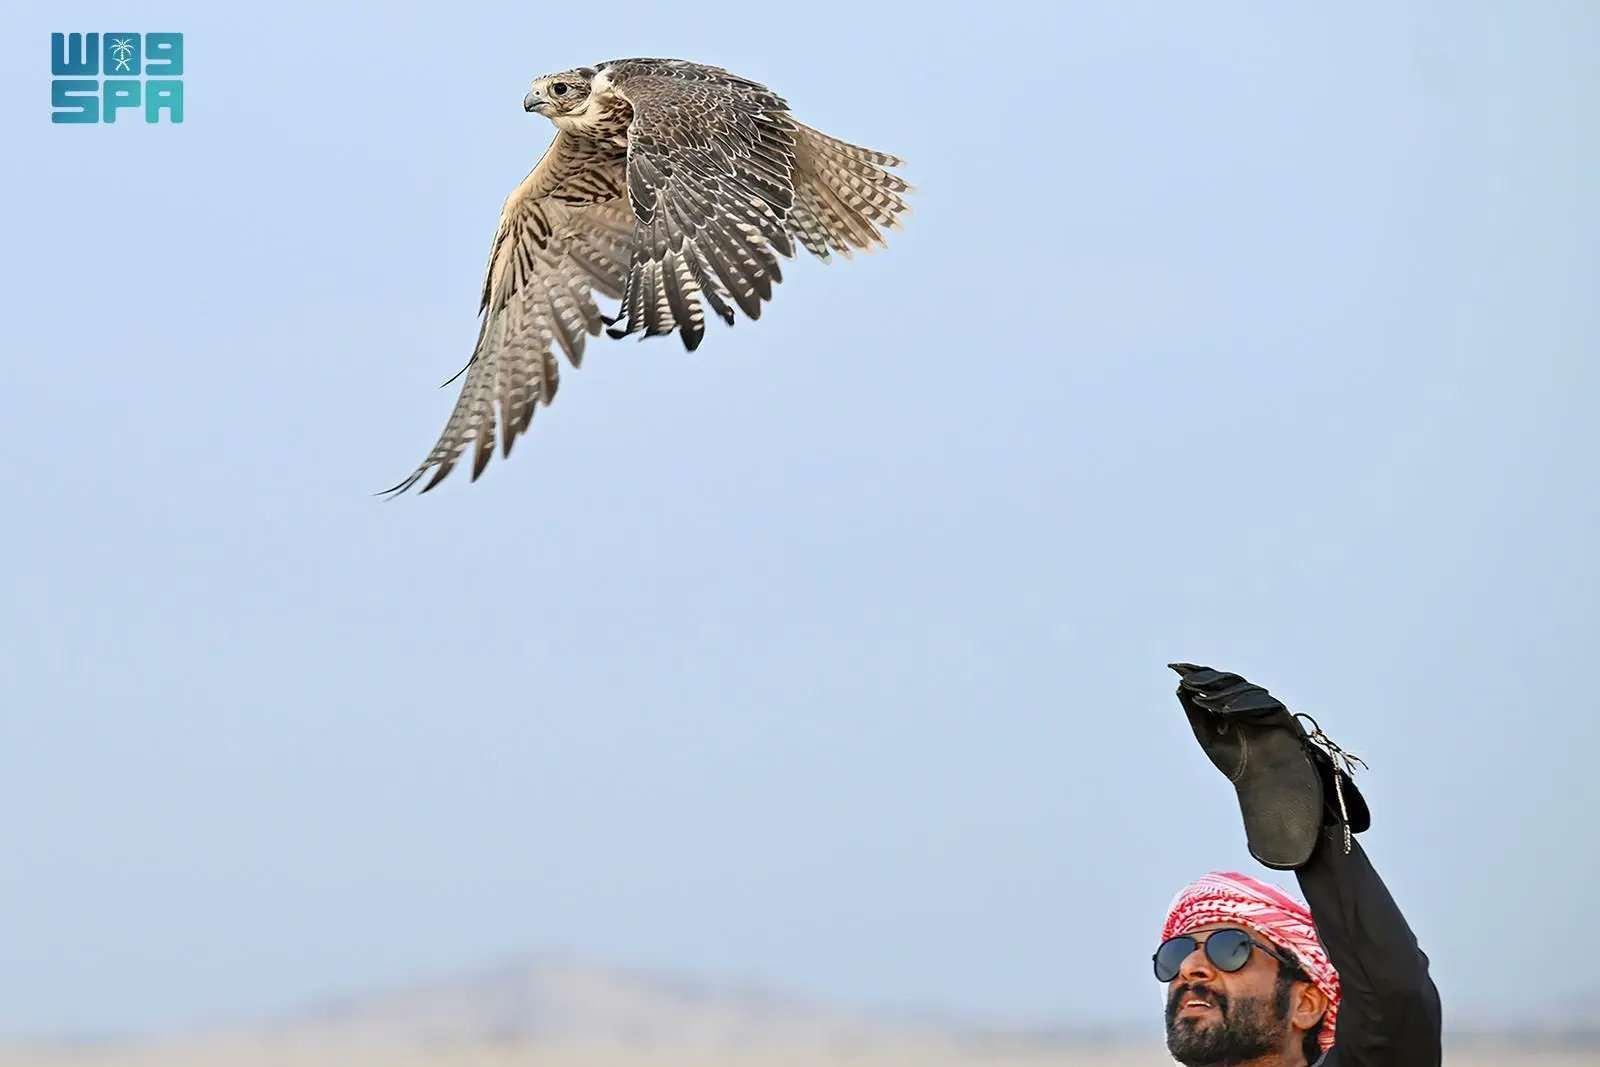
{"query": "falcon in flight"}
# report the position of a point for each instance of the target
(670, 186)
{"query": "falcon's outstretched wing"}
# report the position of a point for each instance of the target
(710, 169)
(564, 231)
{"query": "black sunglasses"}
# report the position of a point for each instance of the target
(1228, 950)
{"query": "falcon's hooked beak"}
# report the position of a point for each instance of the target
(533, 102)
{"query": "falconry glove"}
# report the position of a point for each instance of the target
(1290, 783)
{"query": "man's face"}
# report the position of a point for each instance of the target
(1214, 1017)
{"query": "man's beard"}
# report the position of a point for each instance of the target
(1243, 1031)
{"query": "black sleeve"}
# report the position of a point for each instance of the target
(1389, 1008)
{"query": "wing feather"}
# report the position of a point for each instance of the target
(556, 242)
(710, 178)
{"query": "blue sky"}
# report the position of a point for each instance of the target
(832, 654)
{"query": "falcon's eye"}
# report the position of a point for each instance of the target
(559, 88)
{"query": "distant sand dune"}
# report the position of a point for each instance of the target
(571, 1015)
(220, 1052)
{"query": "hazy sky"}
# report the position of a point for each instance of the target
(832, 654)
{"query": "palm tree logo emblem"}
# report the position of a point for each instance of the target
(122, 53)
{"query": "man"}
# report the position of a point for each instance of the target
(1255, 978)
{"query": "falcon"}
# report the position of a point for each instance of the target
(672, 187)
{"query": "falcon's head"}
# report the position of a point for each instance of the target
(558, 96)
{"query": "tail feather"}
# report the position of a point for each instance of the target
(843, 194)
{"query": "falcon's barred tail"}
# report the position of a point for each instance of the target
(843, 193)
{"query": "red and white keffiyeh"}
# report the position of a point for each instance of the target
(1238, 899)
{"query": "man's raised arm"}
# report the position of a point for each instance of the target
(1390, 1013)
